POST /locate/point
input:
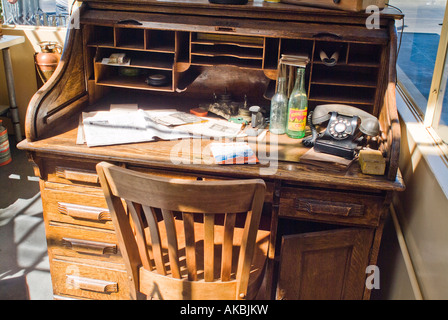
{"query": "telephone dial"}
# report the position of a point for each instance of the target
(344, 132)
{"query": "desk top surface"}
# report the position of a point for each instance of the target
(194, 156)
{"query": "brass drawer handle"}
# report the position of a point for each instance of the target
(101, 286)
(91, 247)
(78, 211)
(225, 29)
(329, 207)
(327, 34)
(77, 175)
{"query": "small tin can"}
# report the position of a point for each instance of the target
(5, 154)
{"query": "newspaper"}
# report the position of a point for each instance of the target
(214, 128)
(121, 126)
(128, 124)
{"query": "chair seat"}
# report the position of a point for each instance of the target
(149, 282)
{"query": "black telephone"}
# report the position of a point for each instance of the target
(343, 134)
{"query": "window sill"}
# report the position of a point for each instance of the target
(32, 28)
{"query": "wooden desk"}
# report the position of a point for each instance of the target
(326, 225)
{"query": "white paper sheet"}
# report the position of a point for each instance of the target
(118, 118)
(214, 128)
(173, 118)
(120, 126)
(128, 124)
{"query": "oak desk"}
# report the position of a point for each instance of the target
(326, 224)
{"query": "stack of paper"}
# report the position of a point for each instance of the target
(128, 124)
(295, 60)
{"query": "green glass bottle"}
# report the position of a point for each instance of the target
(297, 107)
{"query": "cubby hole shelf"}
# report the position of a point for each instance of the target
(139, 59)
(352, 80)
(342, 94)
(344, 76)
(111, 76)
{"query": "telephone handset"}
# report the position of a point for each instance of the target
(343, 134)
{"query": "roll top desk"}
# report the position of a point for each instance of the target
(326, 225)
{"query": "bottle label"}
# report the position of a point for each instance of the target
(297, 120)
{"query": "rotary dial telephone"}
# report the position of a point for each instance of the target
(343, 135)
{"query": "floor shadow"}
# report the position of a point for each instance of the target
(17, 178)
(14, 289)
(24, 269)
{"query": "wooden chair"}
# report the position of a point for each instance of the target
(185, 239)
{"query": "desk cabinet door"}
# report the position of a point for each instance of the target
(324, 265)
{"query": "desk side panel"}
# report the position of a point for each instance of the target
(62, 95)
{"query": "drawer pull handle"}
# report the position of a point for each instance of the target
(78, 211)
(225, 29)
(90, 247)
(329, 207)
(130, 21)
(75, 282)
(327, 34)
(77, 175)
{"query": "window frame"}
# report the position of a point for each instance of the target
(439, 84)
(439, 80)
(420, 126)
(57, 21)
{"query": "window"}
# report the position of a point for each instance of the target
(36, 12)
(422, 64)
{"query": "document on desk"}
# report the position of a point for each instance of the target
(128, 124)
(217, 128)
(102, 128)
(173, 118)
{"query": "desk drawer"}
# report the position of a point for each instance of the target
(65, 240)
(330, 206)
(76, 205)
(71, 172)
(81, 280)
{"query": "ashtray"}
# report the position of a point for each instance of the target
(157, 80)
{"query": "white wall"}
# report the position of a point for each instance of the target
(422, 211)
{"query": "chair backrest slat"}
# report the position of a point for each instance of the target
(209, 247)
(190, 245)
(140, 234)
(156, 242)
(227, 246)
(171, 236)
